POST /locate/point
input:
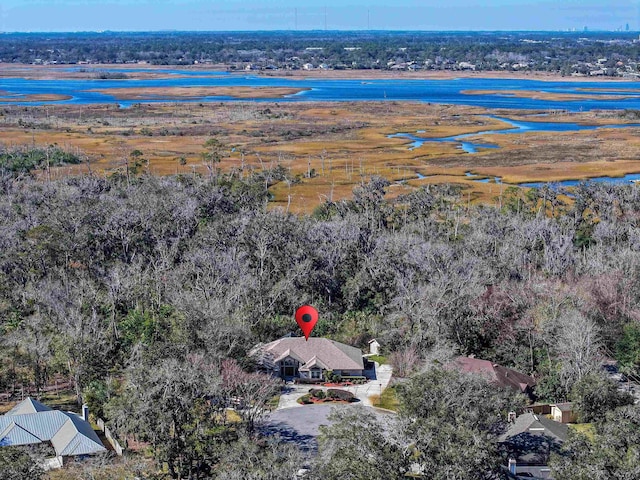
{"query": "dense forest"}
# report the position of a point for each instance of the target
(149, 292)
(560, 52)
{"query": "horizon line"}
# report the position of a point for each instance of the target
(319, 30)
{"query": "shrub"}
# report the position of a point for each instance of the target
(317, 393)
(404, 362)
(357, 379)
(343, 395)
(305, 399)
(308, 381)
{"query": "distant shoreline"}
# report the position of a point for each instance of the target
(146, 71)
(434, 75)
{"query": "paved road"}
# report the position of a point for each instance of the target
(302, 425)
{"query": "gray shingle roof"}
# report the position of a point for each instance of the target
(537, 424)
(532, 438)
(334, 355)
(31, 422)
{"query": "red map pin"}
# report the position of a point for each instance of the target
(307, 317)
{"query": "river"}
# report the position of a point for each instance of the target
(336, 90)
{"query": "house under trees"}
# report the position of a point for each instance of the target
(31, 422)
(295, 357)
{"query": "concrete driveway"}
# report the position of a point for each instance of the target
(292, 393)
(372, 387)
(301, 426)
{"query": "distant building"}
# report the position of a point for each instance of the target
(466, 66)
(295, 357)
(496, 374)
(30, 422)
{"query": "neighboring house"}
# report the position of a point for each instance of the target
(374, 347)
(530, 441)
(31, 422)
(539, 408)
(292, 357)
(496, 374)
(563, 412)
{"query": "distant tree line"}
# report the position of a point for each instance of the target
(540, 51)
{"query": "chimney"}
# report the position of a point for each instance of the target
(512, 417)
(85, 412)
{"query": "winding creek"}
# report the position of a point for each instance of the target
(518, 127)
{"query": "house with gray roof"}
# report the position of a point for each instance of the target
(295, 357)
(32, 422)
(530, 441)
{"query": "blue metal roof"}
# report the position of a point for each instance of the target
(16, 435)
(68, 433)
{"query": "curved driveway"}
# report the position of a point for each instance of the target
(289, 398)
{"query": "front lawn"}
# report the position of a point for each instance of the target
(381, 359)
(388, 399)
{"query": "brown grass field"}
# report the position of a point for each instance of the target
(6, 96)
(176, 93)
(327, 148)
(538, 95)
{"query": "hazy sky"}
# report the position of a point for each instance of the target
(85, 15)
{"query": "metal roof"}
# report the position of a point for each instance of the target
(16, 435)
(68, 433)
(28, 405)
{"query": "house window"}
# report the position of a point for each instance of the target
(316, 374)
(288, 368)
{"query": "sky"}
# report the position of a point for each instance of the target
(220, 15)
